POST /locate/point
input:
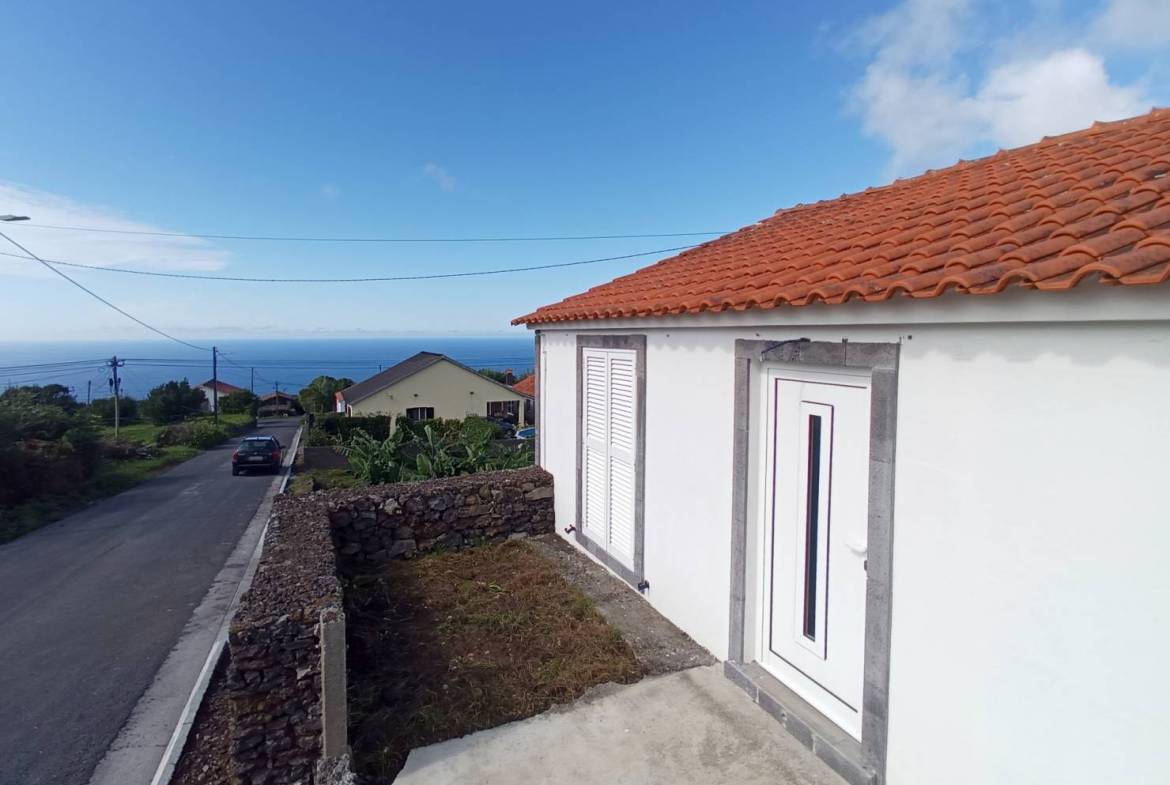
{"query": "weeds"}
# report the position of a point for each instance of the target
(446, 645)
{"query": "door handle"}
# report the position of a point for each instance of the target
(859, 548)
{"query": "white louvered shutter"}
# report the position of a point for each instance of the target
(623, 418)
(595, 435)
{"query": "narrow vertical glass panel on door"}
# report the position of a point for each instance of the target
(812, 526)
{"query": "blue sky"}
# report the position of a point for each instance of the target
(473, 119)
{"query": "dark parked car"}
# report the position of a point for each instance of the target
(256, 452)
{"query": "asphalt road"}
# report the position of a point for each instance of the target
(91, 605)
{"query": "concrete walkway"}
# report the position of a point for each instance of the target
(694, 726)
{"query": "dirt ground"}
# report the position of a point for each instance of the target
(443, 646)
(659, 646)
(450, 644)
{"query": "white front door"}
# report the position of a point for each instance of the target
(609, 443)
(815, 500)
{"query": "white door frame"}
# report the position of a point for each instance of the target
(857, 762)
(846, 715)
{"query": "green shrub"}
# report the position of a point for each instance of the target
(172, 401)
(55, 395)
(239, 402)
(320, 396)
(203, 434)
(374, 460)
(420, 451)
(103, 409)
(319, 438)
(377, 426)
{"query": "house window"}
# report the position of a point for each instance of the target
(508, 410)
(420, 413)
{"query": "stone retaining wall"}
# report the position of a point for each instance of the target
(373, 525)
(286, 680)
(275, 678)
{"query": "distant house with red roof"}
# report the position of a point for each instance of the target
(213, 389)
(900, 459)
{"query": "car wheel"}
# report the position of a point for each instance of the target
(235, 472)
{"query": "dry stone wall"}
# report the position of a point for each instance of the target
(376, 524)
(281, 721)
(274, 676)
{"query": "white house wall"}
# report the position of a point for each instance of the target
(1031, 533)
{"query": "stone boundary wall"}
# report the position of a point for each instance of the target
(286, 676)
(373, 525)
(275, 673)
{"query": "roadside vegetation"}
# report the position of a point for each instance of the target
(58, 455)
(381, 450)
(456, 642)
(319, 396)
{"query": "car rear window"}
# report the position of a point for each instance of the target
(256, 445)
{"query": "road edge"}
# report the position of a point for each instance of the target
(170, 758)
(130, 736)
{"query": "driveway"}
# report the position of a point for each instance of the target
(91, 606)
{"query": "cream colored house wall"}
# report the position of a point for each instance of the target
(454, 392)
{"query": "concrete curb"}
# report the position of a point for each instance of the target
(129, 758)
(170, 758)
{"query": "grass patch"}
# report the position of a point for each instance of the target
(147, 432)
(457, 642)
(322, 479)
(110, 478)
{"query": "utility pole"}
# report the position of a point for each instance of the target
(88, 392)
(252, 384)
(116, 383)
(215, 384)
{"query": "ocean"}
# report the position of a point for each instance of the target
(265, 365)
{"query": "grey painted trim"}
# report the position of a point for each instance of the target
(637, 343)
(867, 761)
(334, 716)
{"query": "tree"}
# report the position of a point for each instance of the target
(494, 375)
(103, 409)
(320, 396)
(239, 402)
(56, 395)
(172, 401)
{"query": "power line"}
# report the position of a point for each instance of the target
(281, 238)
(371, 279)
(62, 364)
(99, 298)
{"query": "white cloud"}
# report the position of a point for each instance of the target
(104, 249)
(939, 85)
(1135, 24)
(442, 178)
(1067, 90)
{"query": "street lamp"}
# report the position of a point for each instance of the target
(11, 218)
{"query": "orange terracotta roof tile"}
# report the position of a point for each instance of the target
(526, 386)
(1093, 203)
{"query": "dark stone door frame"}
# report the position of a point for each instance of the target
(858, 763)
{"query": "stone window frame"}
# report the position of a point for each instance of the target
(863, 762)
(636, 343)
